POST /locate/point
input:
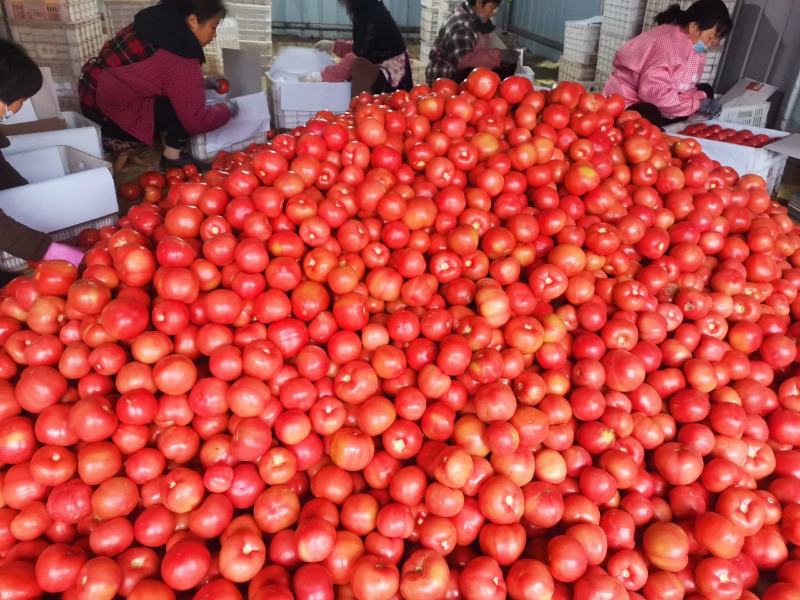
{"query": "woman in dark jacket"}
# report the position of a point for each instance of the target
(20, 79)
(376, 59)
(148, 79)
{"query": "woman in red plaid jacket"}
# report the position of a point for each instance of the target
(463, 42)
(658, 71)
(148, 80)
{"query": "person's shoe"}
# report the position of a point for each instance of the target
(184, 159)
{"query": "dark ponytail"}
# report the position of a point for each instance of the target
(706, 13)
(204, 10)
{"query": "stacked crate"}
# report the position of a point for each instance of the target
(713, 57)
(254, 21)
(120, 13)
(428, 27)
(227, 37)
(581, 40)
(622, 20)
(61, 35)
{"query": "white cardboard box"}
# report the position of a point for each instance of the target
(67, 187)
(768, 161)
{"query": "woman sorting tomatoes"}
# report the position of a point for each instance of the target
(20, 79)
(464, 42)
(148, 79)
(658, 71)
(376, 59)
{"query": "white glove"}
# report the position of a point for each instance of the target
(324, 46)
(312, 77)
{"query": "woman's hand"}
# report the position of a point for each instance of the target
(233, 107)
(710, 107)
(212, 81)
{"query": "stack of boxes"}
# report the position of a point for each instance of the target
(428, 27)
(61, 35)
(254, 21)
(622, 20)
(581, 40)
(713, 57)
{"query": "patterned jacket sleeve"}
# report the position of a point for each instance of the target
(462, 41)
(657, 87)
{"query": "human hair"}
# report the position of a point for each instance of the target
(706, 13)
(20, 77)
(204, 10)
(497, 2)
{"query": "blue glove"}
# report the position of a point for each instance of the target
(710, 107)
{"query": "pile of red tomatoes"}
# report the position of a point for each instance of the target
(472, 341)
(741, 137)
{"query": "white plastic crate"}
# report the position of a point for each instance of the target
(197, 146)
(67, 92)
(120, 13)
(428, 24)
(425, 52)
(572, 71)
(60, 11)
(13, 264)
(227, 37)
(623, 18)
(288, 115)
(654, 7)
(254, 21)
(744, 159)
(753, 116)
(581, 39)
(69, 191)
(64, 49)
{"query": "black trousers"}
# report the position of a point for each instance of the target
(653, 114)
(166, 121)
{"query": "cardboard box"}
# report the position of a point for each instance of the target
(768, 161)
(67, 187)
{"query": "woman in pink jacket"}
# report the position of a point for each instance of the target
(658, 72)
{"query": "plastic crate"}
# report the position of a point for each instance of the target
(120, 13)
(654, 7)
(581, 40)
(572, 71)
(623, 18)
(227, 37)
(197, 146)
(64, 49)
(13, 264)
(283, 118)
(254, 21)
(59, 11)
(67, 93)
(744, 159)
(429, 24)
(754, 115)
